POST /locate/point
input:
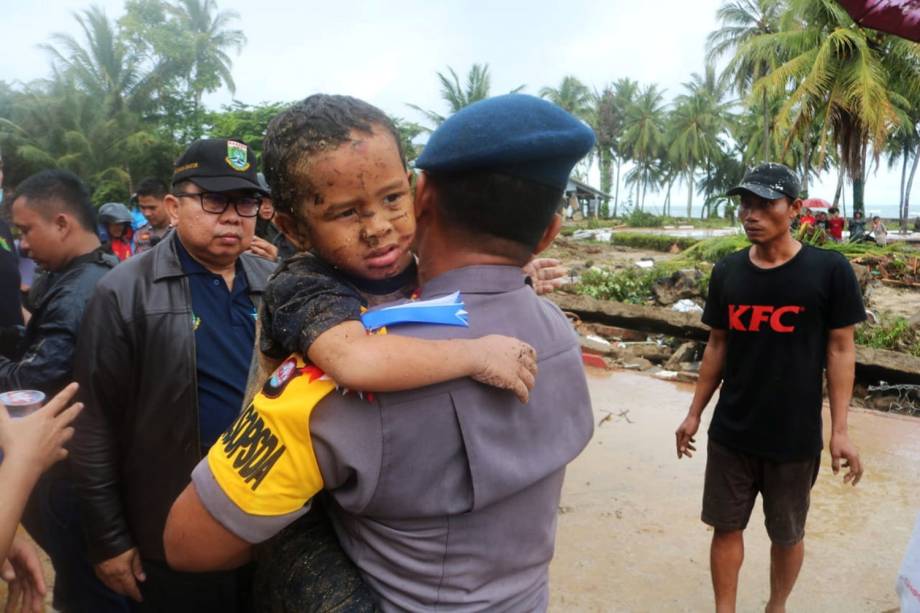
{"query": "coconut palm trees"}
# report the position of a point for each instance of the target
(697, 124)
(834, 78)
(643, 136)
(102, 65)
(572, 95)
(209, 37)
(743, 20)
(477, 87)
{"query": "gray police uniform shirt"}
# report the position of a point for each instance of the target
(446, 496)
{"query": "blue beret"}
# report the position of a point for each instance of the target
(515, 134)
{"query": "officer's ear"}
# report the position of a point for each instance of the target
(550, 234)
(293, 229)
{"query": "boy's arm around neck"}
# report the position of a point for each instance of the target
(389, 362)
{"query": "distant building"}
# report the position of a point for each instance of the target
(582, 199)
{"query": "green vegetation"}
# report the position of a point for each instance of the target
(655, 242)
(632, 285)
(802, 84)
(895, 334)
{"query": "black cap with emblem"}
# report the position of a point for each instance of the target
(218, 165)
(770, 181)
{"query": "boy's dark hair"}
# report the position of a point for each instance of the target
(317, 123)
(833, 210)
(153, 187)
(515, 210)
(60, 188)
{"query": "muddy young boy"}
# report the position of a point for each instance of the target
(342, 192)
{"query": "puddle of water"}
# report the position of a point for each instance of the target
(630, 537)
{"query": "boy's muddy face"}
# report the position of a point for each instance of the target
(360, 218)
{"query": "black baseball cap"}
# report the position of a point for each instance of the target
(770, 181)
(218, 165)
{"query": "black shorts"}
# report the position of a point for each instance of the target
(733, 480)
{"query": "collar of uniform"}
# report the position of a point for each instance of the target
(166, 264)
(475, 280)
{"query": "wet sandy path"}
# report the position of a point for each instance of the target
(630, 538)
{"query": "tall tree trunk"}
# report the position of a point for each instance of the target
(667, 198)
(766, 128)
(690, 194)
(606, 168)
(806, 164)
(859, 180)
(910, 183)
(902, 214)
(616, 194)
(839, 190)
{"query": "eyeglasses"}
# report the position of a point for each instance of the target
(217, 203)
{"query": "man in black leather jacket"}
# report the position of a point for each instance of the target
(162, 364)
(53, 212)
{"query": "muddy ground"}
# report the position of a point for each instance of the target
(629, 535)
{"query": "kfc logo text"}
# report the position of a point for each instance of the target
(780, 319)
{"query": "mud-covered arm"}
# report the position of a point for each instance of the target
(389, 362)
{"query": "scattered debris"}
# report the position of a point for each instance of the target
(685, 353)
(685, 283)
(685, 305)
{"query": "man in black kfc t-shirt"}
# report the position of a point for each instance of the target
(780, 312)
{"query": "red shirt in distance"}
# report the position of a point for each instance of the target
(835, 227)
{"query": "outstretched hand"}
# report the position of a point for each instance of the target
(547, 274)
(506, 363)
(38, 439)
(685, 436)
(842, 449)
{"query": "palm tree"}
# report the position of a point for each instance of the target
(209, 37)
(834, 75)
(625, 91)
(102, 65)
(743, 20)
(697, 124)
(572, 95)
(607, 122)
(643, 134)
(478, 87)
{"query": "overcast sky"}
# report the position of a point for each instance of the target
(388, 52)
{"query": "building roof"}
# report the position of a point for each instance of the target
(583, 189)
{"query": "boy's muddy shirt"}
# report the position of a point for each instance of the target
(306, 297)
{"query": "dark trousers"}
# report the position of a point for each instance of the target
(168, 591)
(53, 520)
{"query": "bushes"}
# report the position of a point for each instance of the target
(714, 249)
(894, 334)
(643, 219)
(655, 242)
(631, 285)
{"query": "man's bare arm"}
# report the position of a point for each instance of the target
(707, 384)
(194, 541)
(841, 366)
